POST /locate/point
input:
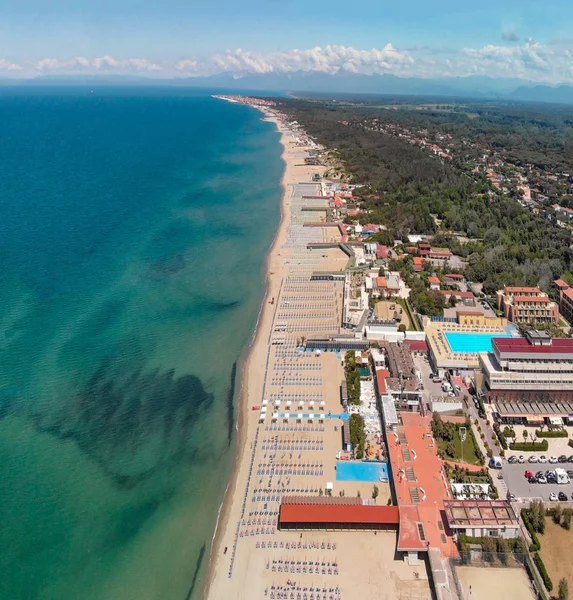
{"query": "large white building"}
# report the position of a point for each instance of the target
(530, 379)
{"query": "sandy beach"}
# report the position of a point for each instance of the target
(292, 448)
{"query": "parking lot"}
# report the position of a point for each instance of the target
(517, 483)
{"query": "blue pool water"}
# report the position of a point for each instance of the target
(361, 471)
(472, 342)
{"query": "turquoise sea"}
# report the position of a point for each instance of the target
(134, 225)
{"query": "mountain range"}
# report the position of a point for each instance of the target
(342, 82)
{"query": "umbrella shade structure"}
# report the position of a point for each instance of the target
(275, 416)
(265, 402)
(311, 404)
(262, 417)
(286, 416)
(277, 402)
(322, 417)
(301, 403)
(288, 403)
(322, 403)
(299, 416)
(311, 417)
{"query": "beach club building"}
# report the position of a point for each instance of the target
(527, 305)
(530, 379)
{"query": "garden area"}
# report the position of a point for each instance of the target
(450, 445)
(352, 374)
(550, 531)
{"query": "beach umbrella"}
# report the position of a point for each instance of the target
(262, 417)
(322, 403)
(265, 402)
(311, 404)
(275, 416)
(322, 417)
(299, 416)
(277, 402)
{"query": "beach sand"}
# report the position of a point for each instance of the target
(344, 564)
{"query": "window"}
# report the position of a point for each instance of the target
(493, 533)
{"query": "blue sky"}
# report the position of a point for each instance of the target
(529, 38)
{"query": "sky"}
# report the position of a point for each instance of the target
(525, 39)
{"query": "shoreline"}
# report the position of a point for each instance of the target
(258, 342)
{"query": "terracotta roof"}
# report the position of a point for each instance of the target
(521, 345)
(417, 260)
(381, 251)
(454, 276)
(518, 289)
(433, 279)
(561, 284)
(419, 345)
(457, 294)
(368, 514)
(381, 375)
(381, 282)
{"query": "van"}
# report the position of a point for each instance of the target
(495, 462)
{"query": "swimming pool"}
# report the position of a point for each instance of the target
(472, 342)
(361, 471)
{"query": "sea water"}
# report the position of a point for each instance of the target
(134, 225)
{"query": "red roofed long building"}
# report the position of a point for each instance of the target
(530, 378)
(527, 305)
(565, 299)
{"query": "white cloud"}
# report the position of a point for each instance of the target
(545, 63)
(329, 59)
(100, 64)
(6, 65)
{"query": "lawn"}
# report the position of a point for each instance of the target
(469, 453)
(556, 544)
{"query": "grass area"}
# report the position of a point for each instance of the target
(469, 450)
(556, 544)
(408, 310)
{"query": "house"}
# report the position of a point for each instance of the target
(418, 266)
(381, 251)
(434, 282)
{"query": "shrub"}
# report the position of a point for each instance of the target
(570, 443)
(535, 545)
(543, 571)
(557, 433)
(530, 446)
(500, 436)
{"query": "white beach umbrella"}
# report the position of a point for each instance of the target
(265, 402)
(299, 416)
(275, 416)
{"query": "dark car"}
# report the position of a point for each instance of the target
(562, 497)
(481, 414)
(512, 460)
(570, 474)
(562, 459)
(570, 458)
(532, 479)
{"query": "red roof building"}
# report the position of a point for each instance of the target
(381, 251)
(338, 516)
(417, 263)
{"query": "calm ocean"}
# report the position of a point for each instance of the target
(133, 231)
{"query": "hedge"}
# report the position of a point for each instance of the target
(530, 446)
(551, 434)
(535, 545)
(570, 442)
(500, 436)
(543, 571)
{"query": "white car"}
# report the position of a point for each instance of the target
(521, 459)
(533, 459)
(542, 459)
(553, 460)
(553, 497)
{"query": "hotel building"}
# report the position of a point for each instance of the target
(527, 305)
(530, 379)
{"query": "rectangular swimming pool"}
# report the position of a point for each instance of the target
(361, 471)
(472, 342)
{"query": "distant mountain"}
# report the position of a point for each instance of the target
(561, 94)
(343, 82)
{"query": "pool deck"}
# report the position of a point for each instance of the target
(441, 351)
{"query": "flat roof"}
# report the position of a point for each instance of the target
(417, 345)
(365, 514)
(522, 345)
(479, 513)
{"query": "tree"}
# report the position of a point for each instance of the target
(563, 589)
(557, 513)
(525, 435)
(567, 519)
(401, 328)
(451, 449)
(488, 547)
(503, 550)
(375, 492)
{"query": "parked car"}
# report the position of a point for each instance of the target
(541, 479)
(542, 459)
(528, 474)
(553, 497)
(437, 379)
(562, 497)
(512, 460)
(533, 459)
(553, 459)
(570, 459)
(562, 459)
(481, 414)
(532, 480)
(521, 459)
(539, 474)
(511, 497)
(570, 473)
